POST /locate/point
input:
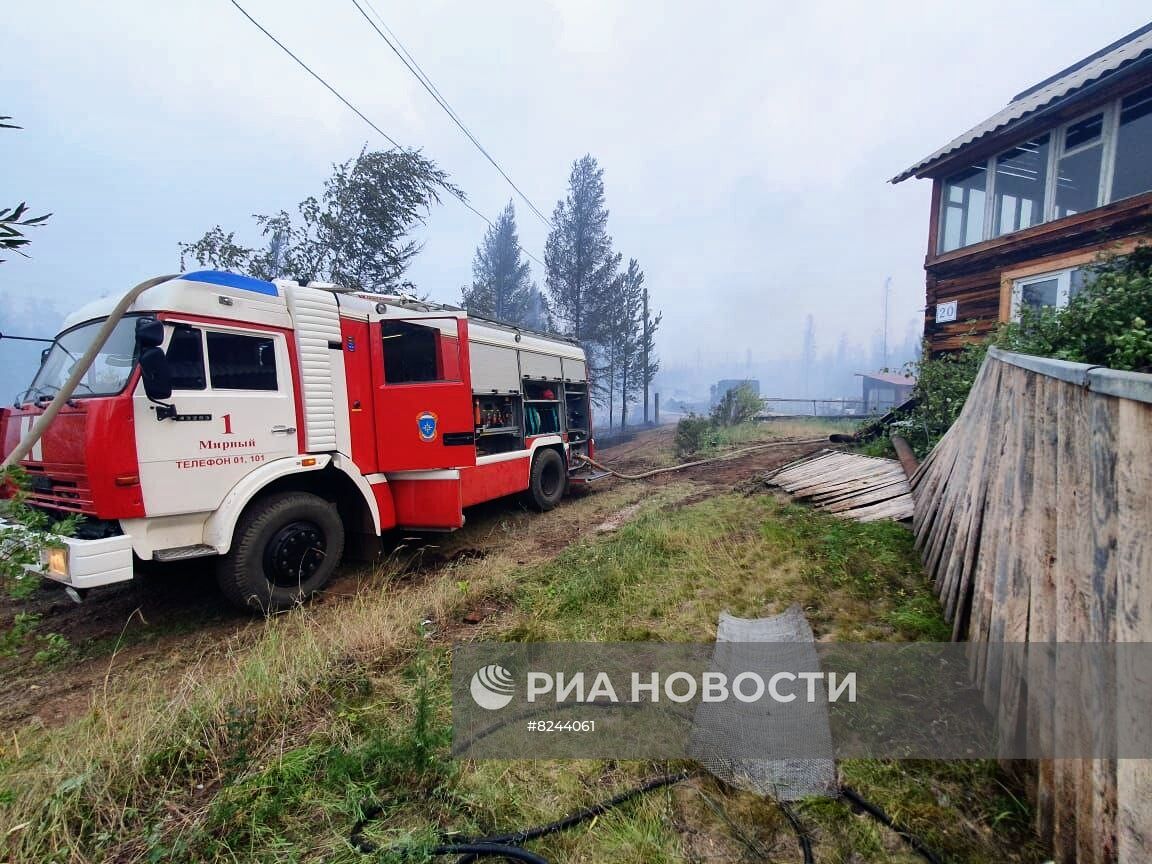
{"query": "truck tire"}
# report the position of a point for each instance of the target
(285, 549)
(548, 481)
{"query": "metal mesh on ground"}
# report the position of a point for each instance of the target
(725, 726)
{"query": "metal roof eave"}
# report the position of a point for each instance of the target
(1127, 59)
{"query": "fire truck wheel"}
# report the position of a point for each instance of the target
(285, 549)
(549, 480)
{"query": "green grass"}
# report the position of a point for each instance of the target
(273, 752)
(714, 440)
(880, 446)
(668, 575)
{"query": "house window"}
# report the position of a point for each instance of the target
(1048, 290)
(239, 362)
(1132, 171)
(1079, 166)
(963, 208)
(1021, 177)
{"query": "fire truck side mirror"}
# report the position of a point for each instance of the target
(149, 333)
(153, 364)
(154, 373)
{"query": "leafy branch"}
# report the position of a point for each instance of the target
(14, 219)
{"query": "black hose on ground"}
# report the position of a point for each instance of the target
(498, 845)
(801, 833)
(591, 812)
(854, 797)
(472, 851)
(510, 846)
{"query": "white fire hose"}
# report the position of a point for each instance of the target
(80, 370)
(785, 442)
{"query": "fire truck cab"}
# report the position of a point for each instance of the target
(273, 425)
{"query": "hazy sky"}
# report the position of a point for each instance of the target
(746, 146)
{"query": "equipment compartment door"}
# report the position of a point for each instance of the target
(423, 404)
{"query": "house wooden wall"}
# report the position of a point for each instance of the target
(1032, 518)
(979, 277)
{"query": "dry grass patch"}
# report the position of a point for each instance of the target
(140, 762)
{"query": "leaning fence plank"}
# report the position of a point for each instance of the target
(1100, 835)
(958, 576)
(1032, 517)
(1073, 589)
(1012, 577)
(1040, 560)
(1134, 619)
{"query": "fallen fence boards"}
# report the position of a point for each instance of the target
(849, 485)
(1032, 518)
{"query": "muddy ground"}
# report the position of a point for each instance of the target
(166, 620)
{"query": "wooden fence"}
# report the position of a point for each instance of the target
(1034, 518)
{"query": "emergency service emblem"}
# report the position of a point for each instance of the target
(426, 424)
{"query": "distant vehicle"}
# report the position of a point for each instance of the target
(271, 425)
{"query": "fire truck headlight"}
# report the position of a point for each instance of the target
(58, 561)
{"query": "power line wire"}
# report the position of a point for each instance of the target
(308, 69)
(421, 76)
(459, 196)
(380, 20)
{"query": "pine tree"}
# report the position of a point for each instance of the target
(579, 258)
(502, 286)
(614, 334)
(630, 338)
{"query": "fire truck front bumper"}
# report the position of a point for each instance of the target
(78, 563)
(88, 563)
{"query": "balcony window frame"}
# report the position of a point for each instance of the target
(1118, 110)
(1109, 131)
(991, 211)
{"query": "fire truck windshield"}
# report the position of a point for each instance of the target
(109, 371)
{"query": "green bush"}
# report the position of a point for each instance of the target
(692, 434)
(942, 386)
(738, 405)
(20, 541)
(1109, 323)
(695, 433)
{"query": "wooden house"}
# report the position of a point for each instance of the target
(1022, 202)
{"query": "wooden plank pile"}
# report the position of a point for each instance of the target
(848, 485)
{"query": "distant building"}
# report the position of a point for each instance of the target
(1023, 201)
(883, 391)
(720, 388)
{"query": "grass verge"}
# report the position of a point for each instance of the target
(270, 750)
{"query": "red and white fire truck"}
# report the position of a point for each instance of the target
(275, 426)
